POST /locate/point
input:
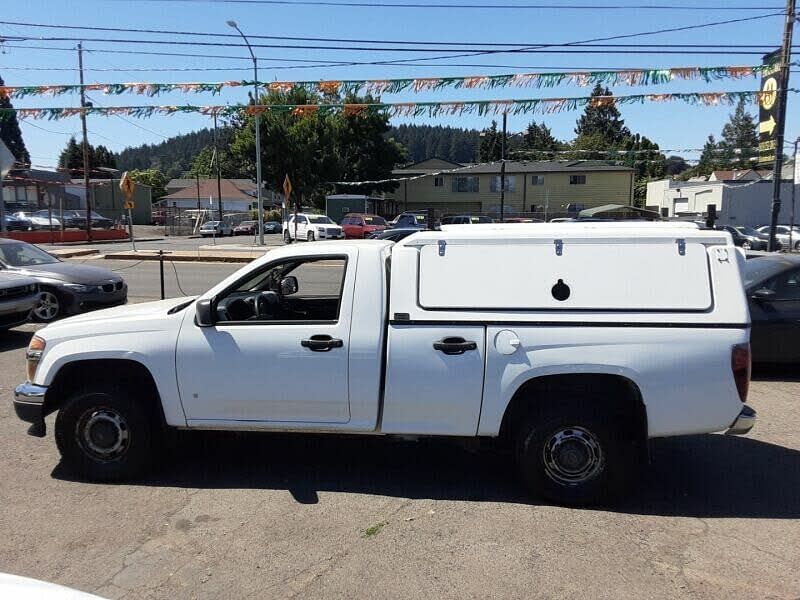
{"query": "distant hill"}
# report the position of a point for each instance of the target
(428, 141)
(174, 155)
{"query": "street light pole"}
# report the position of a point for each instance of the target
(258, 135)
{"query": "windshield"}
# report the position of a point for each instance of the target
(374, 221)
(24, 255)
(748, 231)
(758, 270)
(320, 219)
(209, 224)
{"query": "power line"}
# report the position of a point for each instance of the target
(351, 4)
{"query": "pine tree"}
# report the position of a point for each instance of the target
(10, 132)
(739, 138)
(602, 121)
(71, 157)
(709, 159)
(538, 137)
(490, 146)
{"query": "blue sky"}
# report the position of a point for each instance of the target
(672, 125)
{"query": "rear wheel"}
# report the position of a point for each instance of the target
(575, 454)
(104, 433)
(287, 238)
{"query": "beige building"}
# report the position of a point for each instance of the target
(554, 187)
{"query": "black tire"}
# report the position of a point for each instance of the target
(746, 245)
(575, 454)
(103, 434)
(287, 237)
(310, 237)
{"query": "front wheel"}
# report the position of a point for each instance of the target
(746, 245)
(287, 238)
(49, 307)
(310, 237)
(575, 455)
(103, 434)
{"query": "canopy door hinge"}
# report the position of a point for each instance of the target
(681, 246)
(442, 247)
(559, 247)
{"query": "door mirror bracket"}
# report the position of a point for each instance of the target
(204, 313)
(762, 294)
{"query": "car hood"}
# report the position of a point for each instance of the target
(69, 273)
(129, 318)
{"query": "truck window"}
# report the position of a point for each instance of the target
(290, 291)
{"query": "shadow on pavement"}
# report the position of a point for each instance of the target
(14, 340)
(699, 476)
(776, 372)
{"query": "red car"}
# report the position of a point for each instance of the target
(359, 226)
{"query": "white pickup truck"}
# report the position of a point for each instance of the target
(575, 343)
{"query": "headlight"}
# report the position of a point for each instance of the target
(34, 355)
(320, 228)
(77, 287)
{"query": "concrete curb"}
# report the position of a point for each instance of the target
(228, 257)
(72, 252)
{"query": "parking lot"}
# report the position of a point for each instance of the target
(248, 515)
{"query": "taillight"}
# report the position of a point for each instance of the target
(740, 365)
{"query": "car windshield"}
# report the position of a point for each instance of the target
(20, 254)
(480, 219)
(420, 218)
(758, 270)
(320, 219)
(247, 223)
(209, 224)
(748, 231)
(374, 220)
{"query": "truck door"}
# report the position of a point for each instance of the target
(434, 379)
(279, 350)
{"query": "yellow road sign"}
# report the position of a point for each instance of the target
(769, 93)
(128, 187)
(287, 187)
(767, 126)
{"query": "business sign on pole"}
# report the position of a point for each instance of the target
(768, 108)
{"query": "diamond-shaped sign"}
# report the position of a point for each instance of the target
(287, 187)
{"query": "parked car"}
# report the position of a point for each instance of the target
(18, 296)
(393, 235)
(66, 288)
(246, 228)
(782, 235)
(76, 219)
(465, 220)
(574, 366)
(772, 286)
(272, 227)
(24, 588)
(33, 221)
(746, 237)
(311, 227)
(359, 226)
(215, 229)
(413, 220)
(15, 224)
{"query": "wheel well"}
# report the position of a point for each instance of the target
(621, 395)
(127, 373)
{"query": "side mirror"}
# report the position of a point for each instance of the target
(289, 285)
(204, 313)
(763, 294)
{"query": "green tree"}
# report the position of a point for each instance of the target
(602, 120)
(103, 157)
(71, 157)
(204, 164)
(709, 159)
(490, 148)
(152, 177)
(539, 143)
(10, 132)
(739, 143)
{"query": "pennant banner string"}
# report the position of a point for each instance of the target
(399, 109)
(629, 77)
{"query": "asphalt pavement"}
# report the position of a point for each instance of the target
(275, 515)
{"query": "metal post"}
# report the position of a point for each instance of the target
(161, 270)
(794, 188)
(2, 207)
(503, 170)
(219, 174)
(259, 183)
(783, 85)
(85, 148)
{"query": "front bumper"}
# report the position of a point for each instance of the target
(29, 406)
(15, 312)
(82, 301)
(744, 422)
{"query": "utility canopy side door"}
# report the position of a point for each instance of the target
(278, 351)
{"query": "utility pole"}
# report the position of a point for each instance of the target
(503, 170)
(219, 169)
(783, 83)
(85, 148)
(795, 183)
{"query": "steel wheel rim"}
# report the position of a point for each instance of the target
(103, 434)
(48, 307)
(572, 456)
(746, 245)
